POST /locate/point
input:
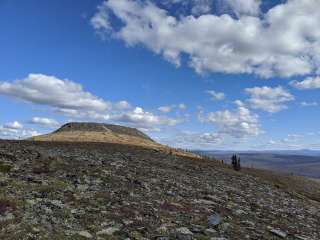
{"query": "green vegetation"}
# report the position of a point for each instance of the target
(5, 168)
(235, 161)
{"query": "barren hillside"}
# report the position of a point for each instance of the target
(55, 190)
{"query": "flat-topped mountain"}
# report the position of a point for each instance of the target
(97, 132)
(105, 133)
(103, 128)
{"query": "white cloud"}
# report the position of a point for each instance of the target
(239, 123)
(100, 21)
(197, 7)
(244, 7)
(268, 99)
(216, 96)
(7, 132)
(49, 90)
(170, 108)
(308, 83)
(140, 117)
(201, 7)
(182, 106)
(44, 122)
(239, 103)
(309, 104)
(136, 117)
(196, 140)
(13, 125)
(68, 98)
(122, 105)
(165, 109)
(291, 141)
(222, 43)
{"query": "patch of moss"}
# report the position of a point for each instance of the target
(5, 168)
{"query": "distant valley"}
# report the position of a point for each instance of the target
(299, 162)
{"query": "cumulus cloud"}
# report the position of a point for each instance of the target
(51, 91)
(308, 83)
(170, 108)
(165, 109)
(244, 7)
(13, 125)
(269, 99)
(15, 130)
(216, 96)
(222, 43)
(193, 140)
(136, 117)
(122, 105)
(100, 21)
(196, 7)
(201, 7)
(69, 99)
(140, 117)
(239, 123)
(44, 122)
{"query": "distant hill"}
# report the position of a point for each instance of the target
(104, 133)
(97, 132)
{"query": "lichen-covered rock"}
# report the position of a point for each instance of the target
(85, 234)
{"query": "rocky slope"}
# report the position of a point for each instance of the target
(52, 190)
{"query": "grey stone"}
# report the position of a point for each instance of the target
(108, 231)
(184, 233)
(214, 219)
(279, 233)
(85, 234)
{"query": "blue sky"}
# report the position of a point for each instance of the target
(195, 74)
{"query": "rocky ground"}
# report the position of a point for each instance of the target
(110, 191)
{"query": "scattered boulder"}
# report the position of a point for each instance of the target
(214, 219)
(278, 233)
(184, 233)
(85, 234)
(108, 231)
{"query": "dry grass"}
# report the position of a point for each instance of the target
(109, 137)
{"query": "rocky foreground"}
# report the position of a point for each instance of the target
(111, 191)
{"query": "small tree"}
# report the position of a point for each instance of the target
(235, 160)
(238, 164)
